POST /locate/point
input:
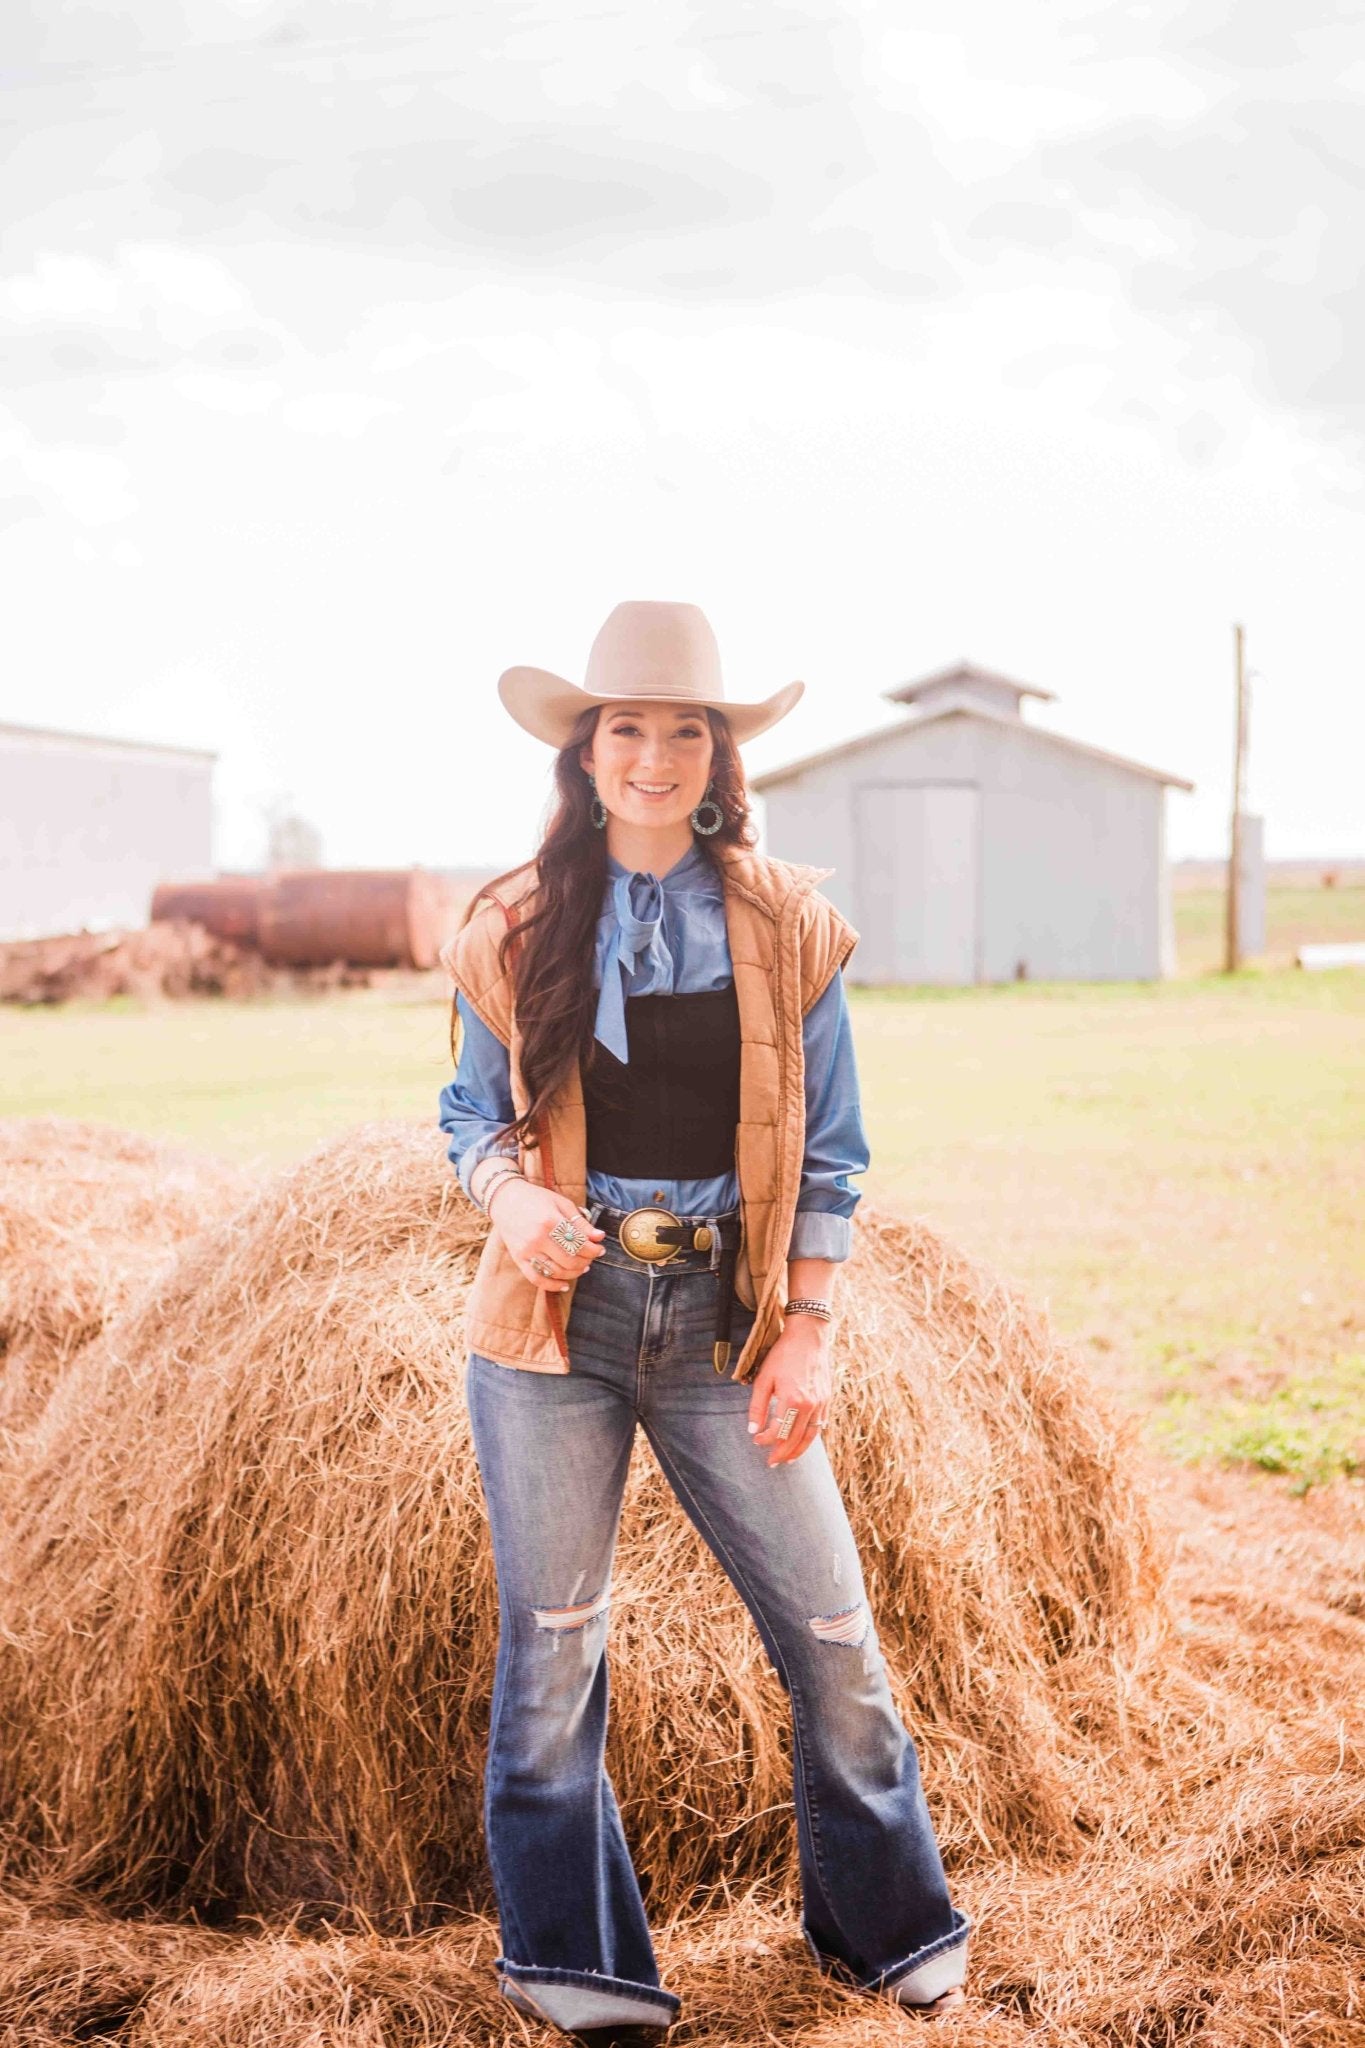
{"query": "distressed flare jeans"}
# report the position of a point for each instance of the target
(553, 1451)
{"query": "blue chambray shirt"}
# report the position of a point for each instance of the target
(667, 936)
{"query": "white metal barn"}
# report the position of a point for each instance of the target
(89, 826)
(969, 845)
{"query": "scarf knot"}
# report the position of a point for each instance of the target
(635, 946)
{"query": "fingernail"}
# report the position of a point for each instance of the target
(752, 1427)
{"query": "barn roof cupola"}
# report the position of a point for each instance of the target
(960, 686)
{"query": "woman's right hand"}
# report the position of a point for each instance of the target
(524, 1215)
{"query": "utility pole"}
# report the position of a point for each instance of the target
(1232, 956)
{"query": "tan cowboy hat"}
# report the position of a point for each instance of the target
(643, 649)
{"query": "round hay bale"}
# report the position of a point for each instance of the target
(250, 1542)
(349, 1991)
(87, 1214)
(83, 1975)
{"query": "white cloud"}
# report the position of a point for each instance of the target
(90, 485)
(65, 286)
(1010, 113)
(237, 395)
(190, 281)
(133, 159)
(343, 413)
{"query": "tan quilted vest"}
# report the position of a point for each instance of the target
(786, 943)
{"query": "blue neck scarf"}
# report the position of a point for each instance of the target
(632, 951)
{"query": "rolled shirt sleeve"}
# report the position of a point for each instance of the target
(476, 1106)
(836, 1143)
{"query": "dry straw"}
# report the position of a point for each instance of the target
(87, 1214)
(246, 1641)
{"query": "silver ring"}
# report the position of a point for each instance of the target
(543, 1267)
(787, 1420)
(567, 1233)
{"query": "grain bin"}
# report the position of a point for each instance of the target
(368, 917)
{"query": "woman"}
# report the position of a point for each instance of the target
(657, 1106)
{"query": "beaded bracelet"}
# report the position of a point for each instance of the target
(805, 1305)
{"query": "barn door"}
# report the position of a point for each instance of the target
(918, 850)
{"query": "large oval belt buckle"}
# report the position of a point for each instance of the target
(638, 1233)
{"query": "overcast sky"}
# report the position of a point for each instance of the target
(354, 353)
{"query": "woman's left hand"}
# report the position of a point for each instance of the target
(797, 1373)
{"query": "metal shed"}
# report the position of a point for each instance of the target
(970, 846)
(89, 825)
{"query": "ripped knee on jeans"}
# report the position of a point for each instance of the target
(567, 1620)
(848, 1627)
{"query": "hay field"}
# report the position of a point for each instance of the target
(246, 1606)
(246, 1620)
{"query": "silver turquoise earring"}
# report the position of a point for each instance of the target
(598, 810)
(708, 803)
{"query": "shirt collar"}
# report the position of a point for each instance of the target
(694, 867)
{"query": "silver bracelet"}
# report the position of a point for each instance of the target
(495, 1180)
(501, 1181)
(807, 1305)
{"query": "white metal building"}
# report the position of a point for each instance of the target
(89, 826)
(969, 845)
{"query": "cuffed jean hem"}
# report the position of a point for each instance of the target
(918, 1979)
(584, 1998)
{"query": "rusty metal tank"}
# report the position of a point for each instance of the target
(368, 917)
(229, 906)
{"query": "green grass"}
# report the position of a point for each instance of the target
(1174, 1168)
(1307, 1424)
(1293, 917)
(260, 1082)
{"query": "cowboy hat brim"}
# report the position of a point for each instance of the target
(548, 706)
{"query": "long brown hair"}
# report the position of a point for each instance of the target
(550, 949)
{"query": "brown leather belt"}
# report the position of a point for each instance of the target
(658, 1236)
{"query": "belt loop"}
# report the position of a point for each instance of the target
(715, 1244)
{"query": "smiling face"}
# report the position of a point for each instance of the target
(652, 761)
